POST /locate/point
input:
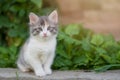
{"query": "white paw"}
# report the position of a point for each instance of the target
(40, 73)
(48, 71)
(25, 70)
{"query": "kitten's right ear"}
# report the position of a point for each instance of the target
(54, 16)
(33, 18)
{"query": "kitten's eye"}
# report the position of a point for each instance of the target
(35, 29)
(52, 29)
(49, 28)
(40, 28)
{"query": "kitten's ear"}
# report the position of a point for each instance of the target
(53, 16)
(33, 18)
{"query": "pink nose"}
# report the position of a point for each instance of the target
(45, 34)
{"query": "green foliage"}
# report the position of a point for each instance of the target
(97, 40)
(77, 48)
(70, 30)
(38, 3)
(8, 56)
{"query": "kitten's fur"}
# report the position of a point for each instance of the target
(38, 52)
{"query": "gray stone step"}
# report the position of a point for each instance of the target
(15, 74)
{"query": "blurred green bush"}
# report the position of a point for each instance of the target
(80, 48)
(77, 48)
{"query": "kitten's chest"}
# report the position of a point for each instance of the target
(42, 47)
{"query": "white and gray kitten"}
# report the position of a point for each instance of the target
(38, 52)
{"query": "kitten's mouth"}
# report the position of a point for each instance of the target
(45, 36)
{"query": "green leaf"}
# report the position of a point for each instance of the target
(106, 67)
(98, 62)
(81, 60)
(38, 3)
(4, 21)
(12, 33)
(101, 50)
(61, 52)
(14, 8)
(18, 41)
(118, 56)
(61, 36)
(108, 59)
(72, 29)
(3, 50)
(21, 1)
(21, 13)
(69, 40)
(61, 62)
(108, 43)
(13, 50)
(86, 45)
(97, 39)
(89, 56)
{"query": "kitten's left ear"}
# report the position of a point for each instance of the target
(53, 16)
(33, 18)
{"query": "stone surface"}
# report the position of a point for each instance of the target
(14, 74)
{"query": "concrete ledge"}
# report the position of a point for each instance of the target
(15, 74)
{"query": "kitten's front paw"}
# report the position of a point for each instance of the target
(40, 73)
(48, 71)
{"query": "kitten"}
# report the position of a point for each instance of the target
(38, 52)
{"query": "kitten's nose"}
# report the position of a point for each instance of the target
(45, 34)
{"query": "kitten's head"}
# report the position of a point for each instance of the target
(44, 27)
